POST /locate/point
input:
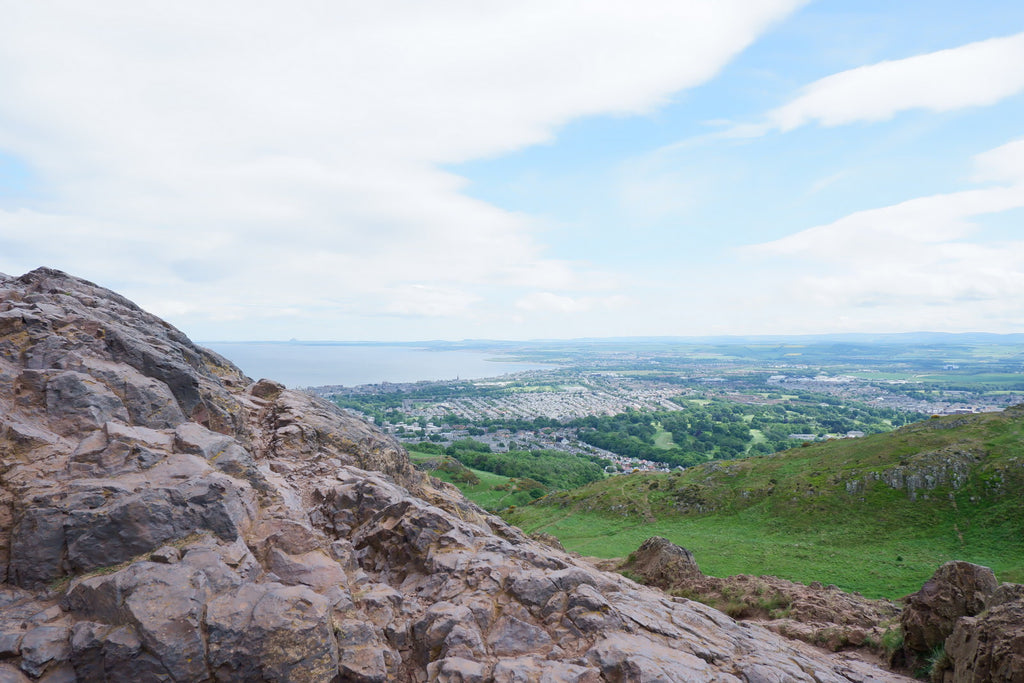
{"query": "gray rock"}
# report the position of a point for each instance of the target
(364, 654)
(456, 670)
(44, 646)
(10, 643)
(223, 452)
(987, 647)
(957, 589)
(511, 637)
(167, 554)
(37, 547)
(80, 402)
(313, 569)
(533, 670)
(270, 632)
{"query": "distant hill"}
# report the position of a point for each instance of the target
(875, 515)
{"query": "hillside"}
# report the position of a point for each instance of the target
(876, 514)
(164, 517)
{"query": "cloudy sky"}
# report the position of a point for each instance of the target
(405, 170)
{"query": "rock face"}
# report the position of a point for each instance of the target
(989, 646)
(164, 518)
(957, 589)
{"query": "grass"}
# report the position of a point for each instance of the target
(492, 492)
(819, 513)
(663, 438)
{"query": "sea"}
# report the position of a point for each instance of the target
(300, 364)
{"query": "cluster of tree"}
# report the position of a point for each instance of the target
(553, 469)
(726, 430)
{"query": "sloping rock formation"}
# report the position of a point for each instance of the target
(822, 615)
(990, 646)
(974, 624)
(164, 518)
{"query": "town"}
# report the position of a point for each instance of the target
(547, 409)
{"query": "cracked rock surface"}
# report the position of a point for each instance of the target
(165, 518)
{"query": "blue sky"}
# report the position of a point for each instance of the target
(545, 169)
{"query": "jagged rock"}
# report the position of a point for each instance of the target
(163, 517)
(270, 632)
(663, 563)
(43, 646)
(167, 554)
(990, 646)
(957, 589)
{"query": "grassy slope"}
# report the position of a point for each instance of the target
(792, 514)
(486, 494)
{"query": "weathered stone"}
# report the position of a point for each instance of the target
(631, 658)
(988, 647)
(313, 569)
(220, 450)
(286, 535)
(456, 670)
(167, 616)
(37, 547)
(364, 655)
(270, 632)
(149, 401)
(10, 643)
(141, 522)
(662, 563)
(167, 554)
(511, 637)
(1004, 593)
(266, 389)
(43, 646)
(957, 589)
(532, 670)
(80, 402)
(10, 674)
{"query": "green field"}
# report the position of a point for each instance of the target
(492, 491)
(663, 438)
(802, 515)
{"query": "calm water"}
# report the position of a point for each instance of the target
(295, 364)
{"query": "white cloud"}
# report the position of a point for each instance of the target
(922, 259)
(548, 302)
(973, 75)
(292, 151)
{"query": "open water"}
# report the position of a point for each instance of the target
(298, 364)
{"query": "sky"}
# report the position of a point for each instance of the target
(469, 169)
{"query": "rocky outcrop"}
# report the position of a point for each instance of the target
(165, 518)
(989, 646)
(817, 614)
(957, 589)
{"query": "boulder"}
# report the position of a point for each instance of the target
(989, 646)
(271, 632)
(662, 563)
(957, 589)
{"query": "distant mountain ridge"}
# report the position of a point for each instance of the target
(922, 337)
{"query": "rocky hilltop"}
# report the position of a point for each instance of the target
(165, 518)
